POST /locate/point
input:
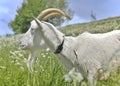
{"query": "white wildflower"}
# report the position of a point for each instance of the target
(2, 67)
(73, 76)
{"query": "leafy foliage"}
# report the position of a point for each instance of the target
(32, 8)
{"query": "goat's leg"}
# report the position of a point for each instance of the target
(113, 65)
(92, 79)
(104, 76)
(31, 60)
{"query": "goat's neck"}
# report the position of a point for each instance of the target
(55, 38)
(52, 36)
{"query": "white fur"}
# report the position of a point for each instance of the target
(94, 51)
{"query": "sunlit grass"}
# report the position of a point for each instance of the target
(48, 70)
(93, 27)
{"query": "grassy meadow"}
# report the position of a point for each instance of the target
(48, 70)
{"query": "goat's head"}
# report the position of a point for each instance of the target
(33, 38)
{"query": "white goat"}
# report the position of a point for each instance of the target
(87, 53)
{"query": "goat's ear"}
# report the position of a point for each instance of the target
(38, 22)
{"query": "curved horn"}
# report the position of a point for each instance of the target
(54, 14)
(51, 12)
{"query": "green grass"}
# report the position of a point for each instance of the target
(93, 27)
(14, 72)
(48, 70)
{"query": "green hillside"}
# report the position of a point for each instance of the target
(94, 27)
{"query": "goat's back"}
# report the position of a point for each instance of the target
(101, 47)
